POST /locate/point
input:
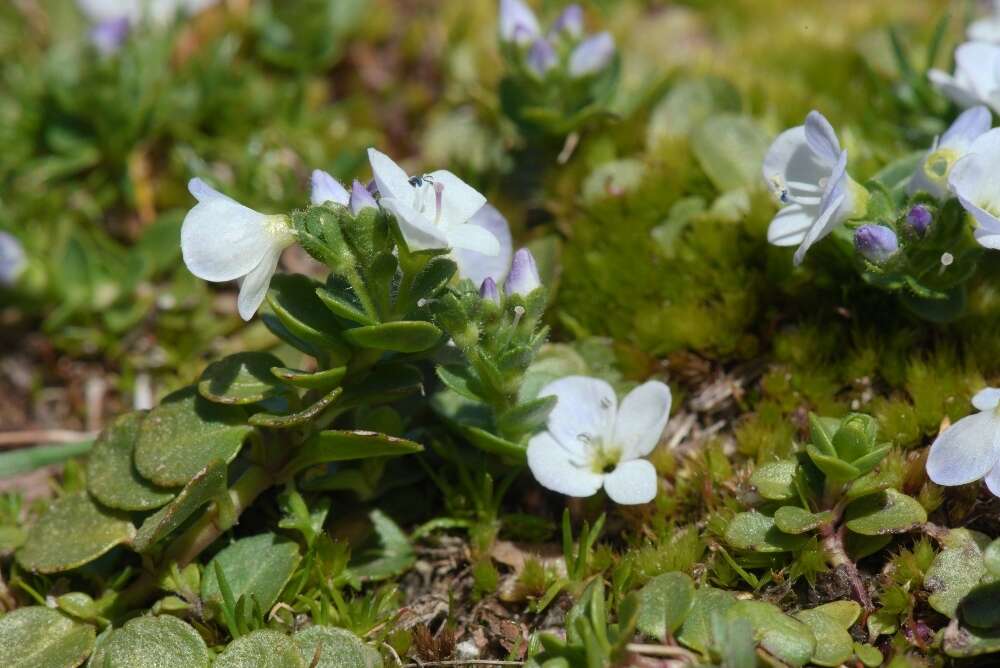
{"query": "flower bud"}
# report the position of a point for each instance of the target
(488, 290)
(360, 198)
(12, 259)
(541, 57)
(592, 55)
(877, 243)
(518, 23)
(919, 219)
(570, 22)
(523, 278)
(325, 188)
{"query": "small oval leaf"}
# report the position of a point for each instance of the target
(664, 603)
(887, 512)
(153, 642)
(332, 647)
(785, 637)
(243, 378)
(37, 636)
(258, 566)
(273, 421)
(261, 649)
(795, 520)
(834, 644)
(776, 480)
(208, 484)
(316, 380)
(111, 475)
(404, 337)
(756, 532)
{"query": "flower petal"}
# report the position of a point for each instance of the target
(975, 64)
(419, 233)
(253, 286)
(325, 188)
(517, 22)
(220, 238)
(459, 200)
(966, 451)
(969, 125)
(585, 411)
(592, 55)
(986, 399)
(790, 225)
(470, 237)
(790, 159)
(554, 468)
(823, 225)
(477, 267)
(642, 415)
(390, 178)
(950, 87)
(632, 483)
(822, 138)
(992, 480)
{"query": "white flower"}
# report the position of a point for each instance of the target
(158, 12)
(478, 267)
(325, 188)
(518, 23)
(976, 79)
(222, 240)
(973, 179)
(986, 29)
(807, 170)
(970, 448)
(432, 210)
(932, 174)
(591, 441)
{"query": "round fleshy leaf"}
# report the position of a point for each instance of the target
(258, 566)
(756, 532)
(333, 647)
(37, 636)
(831, 466)
(795, 520)
(208, 484)
(243, 378)
(111, 475)
(884, 513)
(72, 532)
(956, 570)
(664, 603)
(261, 649)
(153, 642)
(845, 613)
(868, 655)
(307, 414)
(403, 337)
(184, 434)
(696, 632)
(293, 299)
(834, 644)
(786, 638)
(317, 380)
(776, 480)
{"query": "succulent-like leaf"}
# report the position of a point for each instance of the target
(833, 467)
(342, 306)
(991, 558)
(785, 637)
(307, 414)
(243, 378)
(821, 431)
(111, 475)
(696, 631)
(152, 642)
(325, 380)
(263, 648)
(207, 485)
(259, 566)
(855, 437)
(795, 520)
(411, 336)
(845, 613)
(956, 570)
(834, 645)
(756, 532)
(334, 647)
(293, 299)
(887, 512)
(775, 481)
(664, 603)
(36, 636)
(966, 641)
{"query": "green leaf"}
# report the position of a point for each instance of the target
(111, 475)
(335, 648)
(186, 432)
(40, 637)
(859, 547)
(756, 532)
(207, 485)
(338, 446)
(868, 655)
(961, 641)
(274, 421)
(696, 631)
(886, 512)
(392, 556)
(243, 378)
(494, 444)
(991, 558)
(831, 465)
(845, 613)
(152, 642)
(871, 460)
(388, 382)
(294, 301)
(785, 637)
(834, 645)
(318, 380)
(664, 603)
(979, 608)
(72, 532)
(821, 432)
(730, 149)
(342, 307)
(435, 275)
(776, 480)
(459, 379)
(855, 437)
(795, 520)
(25, 460)
(263, 648)
(259, 566)
(526, 418)
(956, 570)
(404, 336)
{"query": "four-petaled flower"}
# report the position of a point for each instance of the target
(931, 176)
(222, 240)
(432, 210)
(976, 79)
(807, 171)
(591, 441)
(973, 179)
(970, 449)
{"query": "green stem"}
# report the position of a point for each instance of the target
(361, 290)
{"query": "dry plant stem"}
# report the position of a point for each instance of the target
(833, 544)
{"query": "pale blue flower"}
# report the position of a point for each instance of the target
(488, 290)
(973, 179)
(969, 450)
(325, 189)
(592, 55)
(361, 198)
(876, 243)
(570, 22)
(542, 57)
(931, 176)
(12, 259)
(523, 278)
(976, 79)
(518, 24)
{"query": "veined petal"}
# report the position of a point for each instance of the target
(220, 238)
(584, 412)
(986, 399)
(390, 178)
(966, 451)
(470, 237)
(642, 415)
(822, 138)
(556, 468)
(419, 233)
(325, 188)
(823, 225)
(459, 200)
(631, 483)
(253, 286)
(477, 267)
(790, 225)
(791, 159)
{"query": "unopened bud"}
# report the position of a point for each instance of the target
(877, 243)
